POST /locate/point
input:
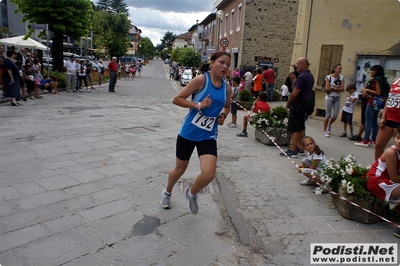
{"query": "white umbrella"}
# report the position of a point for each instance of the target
(20, 42)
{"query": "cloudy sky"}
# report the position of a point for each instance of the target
(156, 17)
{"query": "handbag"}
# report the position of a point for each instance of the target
(379, 103)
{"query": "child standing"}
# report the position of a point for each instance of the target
(348, 109)
(315, 157)
(285, 92)
(260, 106)
(242, 83)
(234, 98)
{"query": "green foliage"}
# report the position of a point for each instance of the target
(186, 57)
(348, 173)
(275, 118)
(111, 32)
(166, 41)
(70, 17)
(146, 48)
(245, 96)
(60, 77)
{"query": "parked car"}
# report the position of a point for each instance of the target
(186, 76)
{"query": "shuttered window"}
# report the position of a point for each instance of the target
(330, 56)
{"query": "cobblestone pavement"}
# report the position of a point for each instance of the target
(82, 175)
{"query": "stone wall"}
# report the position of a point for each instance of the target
(269, 30)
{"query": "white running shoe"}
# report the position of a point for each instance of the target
(165, 201)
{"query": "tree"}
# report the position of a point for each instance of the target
(113, 6)
(166, 41)
(71, 17)
(186, 57)
(146, 48)
(111, 32)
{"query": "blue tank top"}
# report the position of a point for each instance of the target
(202, 125)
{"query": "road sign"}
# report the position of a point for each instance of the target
(38, 26)
(224, 42)
(204, 53)
(210, 49)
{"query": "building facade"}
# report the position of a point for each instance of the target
(356, 34)
(258, 33)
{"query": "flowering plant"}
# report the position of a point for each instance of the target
(275, 118)
(348, 173)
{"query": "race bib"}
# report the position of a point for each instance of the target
(393, 101)
(204, 122)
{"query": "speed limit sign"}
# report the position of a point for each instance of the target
(224, 42)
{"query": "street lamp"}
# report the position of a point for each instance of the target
(219, 15)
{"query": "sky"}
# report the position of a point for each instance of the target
(156, 17)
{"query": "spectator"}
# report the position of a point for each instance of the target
(261, 105)
(236, 73)
(21, 81)
(113, 68)
(234, 98)
(297, 105)
(242, 84)
(248, 78)
(384, 178)
(377, 86)
(82, 76)
(89, 78)
(29, 78)
(11, 78)
(49, 85)
(241, 71)
(37, 68)
(269, 76)
(100, 71)
(348, 109)
(258, 79)
(285, 92)
(390, 119)
(334, 85)
(314, 160)
(70, 67)
(2, 58)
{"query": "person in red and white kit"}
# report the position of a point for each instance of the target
(390, 119)
(384, 177)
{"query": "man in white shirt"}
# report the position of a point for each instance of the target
(70, 66)
(248, 78)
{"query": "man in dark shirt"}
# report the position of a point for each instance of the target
(297, 105)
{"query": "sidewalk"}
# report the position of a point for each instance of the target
(82, 175)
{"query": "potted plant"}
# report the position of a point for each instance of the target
(348, 179)
(245, 99)
(274, 124)
(277, 95)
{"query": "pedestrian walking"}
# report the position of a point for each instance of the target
(70, 67)
(211, 94)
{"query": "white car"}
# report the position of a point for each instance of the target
(186, 77)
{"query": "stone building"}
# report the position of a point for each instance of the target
(259, 32)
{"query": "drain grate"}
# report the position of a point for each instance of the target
(139, 130)
(204, 190)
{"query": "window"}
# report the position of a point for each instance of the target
(231, 22)
(220, 28)
(225, 24)
(239, 17)
(391, 65)
(330, 56)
